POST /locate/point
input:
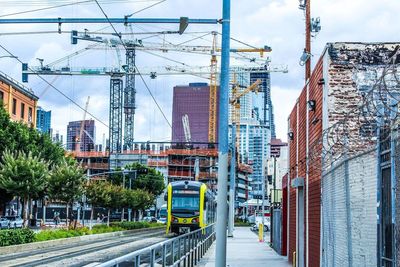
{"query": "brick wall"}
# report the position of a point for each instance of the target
(292, 191)
(299, 168)
(349, 234)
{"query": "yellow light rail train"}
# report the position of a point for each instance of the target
(190, 205)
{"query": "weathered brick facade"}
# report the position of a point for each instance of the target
(301, 126)
(343, 125)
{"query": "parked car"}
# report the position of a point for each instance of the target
(151, 219)
(3, 223)
(254, 227)
(14, 221)
(162, 220)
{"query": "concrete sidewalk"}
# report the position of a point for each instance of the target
(244, 249)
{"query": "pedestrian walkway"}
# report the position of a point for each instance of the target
(244, 249)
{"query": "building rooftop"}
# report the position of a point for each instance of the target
(18, 86)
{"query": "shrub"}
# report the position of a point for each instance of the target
(16, 236)
(100, 229)
(61, 233)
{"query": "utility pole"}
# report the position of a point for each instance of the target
(232, 178)
(274, 180)
(223, 146)
(262, 203)
(123, 186)
(308, 39)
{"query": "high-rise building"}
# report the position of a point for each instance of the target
(192, 100)
(87, 142)
(262, 101)
(43, 120)
(254, 150)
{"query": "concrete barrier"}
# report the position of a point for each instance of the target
(70, 240)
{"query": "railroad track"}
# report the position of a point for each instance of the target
(84, 252)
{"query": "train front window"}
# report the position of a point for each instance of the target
(185, 203)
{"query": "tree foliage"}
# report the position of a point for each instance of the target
(17, 136)
(152, 181)
(24, 175)
(66, 182)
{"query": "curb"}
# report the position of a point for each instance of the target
(70, 240)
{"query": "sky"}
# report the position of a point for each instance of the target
(276, 23)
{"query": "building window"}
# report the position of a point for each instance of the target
(1, 96)
(14, 107)
(22, 110)
(30, 115)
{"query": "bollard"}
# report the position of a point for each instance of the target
(294, 258)
(261, 232)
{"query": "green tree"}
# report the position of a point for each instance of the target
(96, 194)
(138, 199)
(24, 175)
(17, 136)
(116, 199)
(151, 181)
(66, 183)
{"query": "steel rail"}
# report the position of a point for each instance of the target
(184, 250)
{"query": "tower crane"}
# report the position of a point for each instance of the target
(212, 125)
(235, 102)
(186, 128)
(78, 138)
(126, 101)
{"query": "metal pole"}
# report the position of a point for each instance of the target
(123, 186)
(222, 209)
(106, 20)
(274, 180)
(262, 204)
(308, 38)
(231, 220)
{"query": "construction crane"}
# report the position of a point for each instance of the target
(212, 125)
(186, 128)
(126, 100)
(78, 138)
(235, 102)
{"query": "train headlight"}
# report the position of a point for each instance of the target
(175, 220)
(194, 220)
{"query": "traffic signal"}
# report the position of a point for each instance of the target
(142, 171)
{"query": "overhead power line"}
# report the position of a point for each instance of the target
(137, 70)
(55, 88)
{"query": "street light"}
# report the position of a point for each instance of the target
(8, 56)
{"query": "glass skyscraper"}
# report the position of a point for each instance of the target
(43, 120)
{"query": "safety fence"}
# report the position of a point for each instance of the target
(183, 251)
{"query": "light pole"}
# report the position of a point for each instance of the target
(223, 146)
(8, 56)
(231, 220)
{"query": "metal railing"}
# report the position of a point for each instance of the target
(183, 251)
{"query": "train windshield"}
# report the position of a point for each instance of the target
(163, 213)
(191, 203)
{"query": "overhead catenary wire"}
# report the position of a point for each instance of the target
(63, 4)
(55, 88)
(140, 75)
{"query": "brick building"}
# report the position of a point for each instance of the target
(19, 101)
(333, 164)
(305, 127)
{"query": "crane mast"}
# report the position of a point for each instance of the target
(235, 102)
(186, 128)
(82, 126)
(212, 122)
(129, 98)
